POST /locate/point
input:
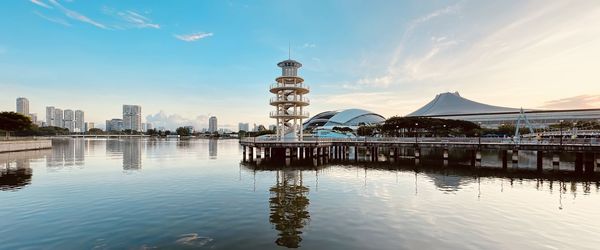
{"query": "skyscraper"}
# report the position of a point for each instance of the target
(23, 106)
(243, 127)
(114, 125)
(50, 116)
(132, 117)
(79, 121)
(212, 124)
(58, 118)
(69, 120)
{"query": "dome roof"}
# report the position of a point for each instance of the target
(347, 117)
(452, 104)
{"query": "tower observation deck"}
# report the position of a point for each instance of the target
(289, 101)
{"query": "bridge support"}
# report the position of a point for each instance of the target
(589, 162)
(244, 153)
(579, 162)
(504, 156)
(478, 158)
(258, 152)
(250, 153)
(555, 161)
(515, 157)
(355, 153)
(267, 152)
(417, 153)
(540, 160)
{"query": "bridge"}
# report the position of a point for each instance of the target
(100, 136)
(586, 150)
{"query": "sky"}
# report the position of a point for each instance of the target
(184, 61)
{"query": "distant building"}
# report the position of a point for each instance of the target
(149, 126)
(243, 127)
(69, 120)
(212, 124)
(58, 118)
(88, 126)
(132, 117)
(50, 116)
(272, 127)
(114, 125)
(33, 118)
(80, 121)
(23, 106)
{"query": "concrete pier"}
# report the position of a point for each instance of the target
(22, 145)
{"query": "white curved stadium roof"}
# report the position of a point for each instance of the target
(452, 103)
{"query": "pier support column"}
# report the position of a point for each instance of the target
(596, 162)
(588, 163)
(288, 152)
(515, 157)
(258, 152)
(540, 160)
(417, 153)
(355, 153)
(250, 153)
(579, 162)
(504, 156)
(445, 154)
(244, 153)
(478, 158)
(555, 162)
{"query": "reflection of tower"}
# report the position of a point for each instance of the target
(289, 208)
(289, 101)
(212, 148)
(132, 154)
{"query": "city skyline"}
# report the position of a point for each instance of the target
(183, 63)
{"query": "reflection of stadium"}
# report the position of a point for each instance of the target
(453, 106)
(323, 123)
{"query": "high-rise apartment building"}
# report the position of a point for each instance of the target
(132, 117)
(88, 126)
(58, 118)
(79, 121)
(50, 116)
(244, 127)
(33, 118)
(23, 106)
(114, 125)
(69, 120)
(212, 124)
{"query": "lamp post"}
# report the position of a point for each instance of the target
(397, 131)
(479, 133)
(444, 129)
(561, 134)
(416, 133)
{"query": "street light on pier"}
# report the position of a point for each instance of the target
(416, 132)
(561, 133)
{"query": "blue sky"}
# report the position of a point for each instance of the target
(185, 60)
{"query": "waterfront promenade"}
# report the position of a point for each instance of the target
(12, 144)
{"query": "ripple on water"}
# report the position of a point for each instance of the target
(193, 240)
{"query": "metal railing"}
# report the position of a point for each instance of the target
(441, 140)
(275, 99)
(290, 114)
(289, 85)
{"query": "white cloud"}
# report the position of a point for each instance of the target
(173, 121)
(309, 45)
(575, 102)
(129, 19)
(76, 15)
(52, 19)
(194, 36)
(41, 3)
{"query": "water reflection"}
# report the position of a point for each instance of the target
(15, 170)
(212, 148)
(132, 154)
(289, 207)
(67, 153)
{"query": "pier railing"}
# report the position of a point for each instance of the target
(438, 140)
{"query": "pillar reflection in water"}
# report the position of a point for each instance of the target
(289, 208)
(212, 148)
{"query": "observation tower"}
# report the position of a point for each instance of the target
(289, 101)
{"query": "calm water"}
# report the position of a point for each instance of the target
(147, 194)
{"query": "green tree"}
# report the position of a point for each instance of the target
(12, 121)
(365, 130)
(181, 131)
(95, 131)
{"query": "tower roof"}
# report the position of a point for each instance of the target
(452, 103)
(289, 63)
